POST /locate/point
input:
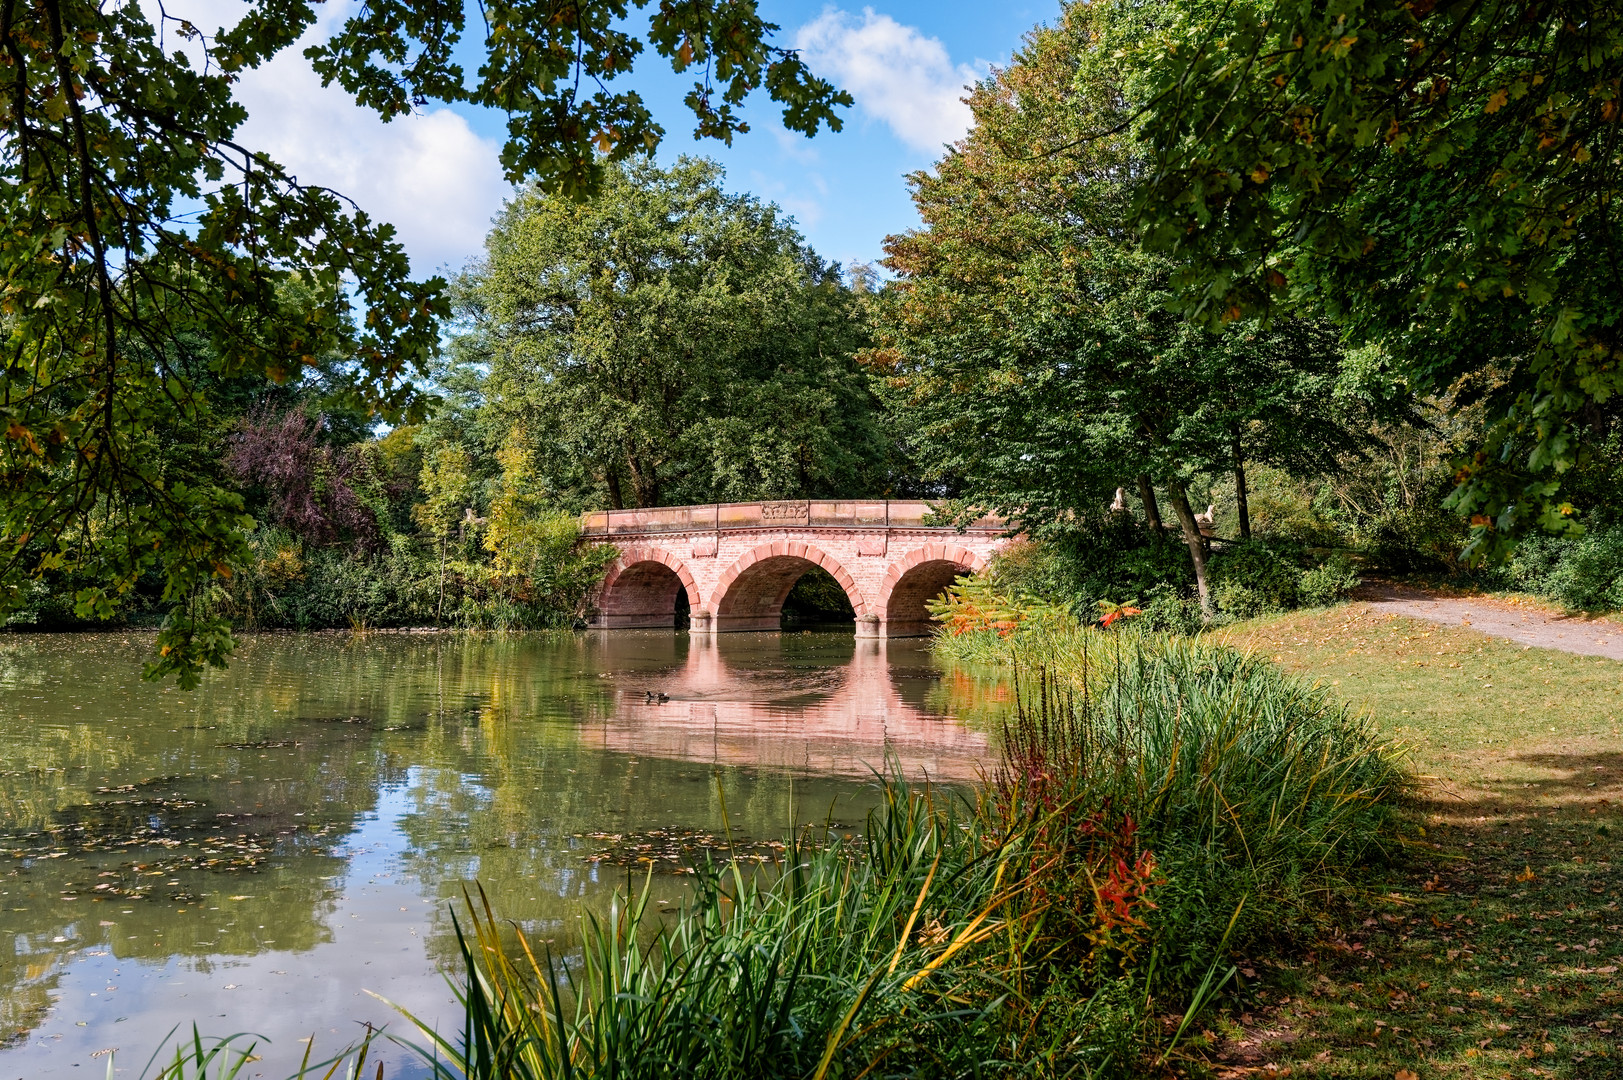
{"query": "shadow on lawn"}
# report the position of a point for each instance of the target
(1579, 782)
(1493, 950)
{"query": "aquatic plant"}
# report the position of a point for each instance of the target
(850, 956)
(1158, 810)
(1193, 798)
(229, 1057)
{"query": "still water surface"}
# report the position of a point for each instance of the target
(266, 852)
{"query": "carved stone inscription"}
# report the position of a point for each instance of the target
(786, 511)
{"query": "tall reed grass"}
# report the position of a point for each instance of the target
(1230, 802)
(883, 957)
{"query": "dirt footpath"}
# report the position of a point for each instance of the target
(1526, 623)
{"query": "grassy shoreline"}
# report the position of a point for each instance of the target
(1494, 949)
(1495, 952)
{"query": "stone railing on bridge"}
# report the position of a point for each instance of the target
(866, 514)
(736, 562)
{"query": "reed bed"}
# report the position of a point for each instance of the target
(858, 958)
(1257, 796)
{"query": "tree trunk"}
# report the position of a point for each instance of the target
(644, 481)
(1240, 497)
(1192, 536)
(616, 500)
(1152, 509)
(440, 607)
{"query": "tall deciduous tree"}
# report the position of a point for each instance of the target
(445, 485)
(134, 217)
(672, 343)
(1028, 342)
(1441, 178)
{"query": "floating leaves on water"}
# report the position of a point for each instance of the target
(676, 850)
(191, 840)
(151, 782)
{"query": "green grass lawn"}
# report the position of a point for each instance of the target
(1493, 949)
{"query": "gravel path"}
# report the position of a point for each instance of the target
(1519, 622)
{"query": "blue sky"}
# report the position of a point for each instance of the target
(435, 175)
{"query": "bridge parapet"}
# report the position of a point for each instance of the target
(866, 514)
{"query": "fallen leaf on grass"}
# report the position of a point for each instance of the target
(1406, 1074)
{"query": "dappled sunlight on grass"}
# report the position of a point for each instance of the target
(1494, 950)
(1493, 724)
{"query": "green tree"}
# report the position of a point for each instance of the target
(1440, 178)
(1028, 346)
(443, 513)
(674, 343)
(535, 545)
(134, 218)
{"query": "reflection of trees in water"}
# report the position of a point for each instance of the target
(149, 807)
(230, 862)
(815, 714)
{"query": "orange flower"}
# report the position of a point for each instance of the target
(1117, 613)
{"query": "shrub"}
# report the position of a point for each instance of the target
(1170, 610)
(1585, 573)
(1119, 563)
(1254, 794)
(1328, 583)
(1253, 578)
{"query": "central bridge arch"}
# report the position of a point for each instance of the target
(750, 592)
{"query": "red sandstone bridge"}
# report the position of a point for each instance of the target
(736, 562)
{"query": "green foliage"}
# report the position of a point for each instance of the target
(855, 953)
(395, 55)
(976, 604)
(1028, 346)
(1125, 566)
(1250, 578)
(148, 256)
(150, 264)
(1158, 811)
(1328, 583)
(1585, 574)
(1256, 793)
(1120, 564)
(676, 344)
(1433, 177)
(232, 1056)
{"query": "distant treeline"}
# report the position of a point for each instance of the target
(673, 343)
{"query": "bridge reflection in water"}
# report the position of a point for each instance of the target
(824, 719)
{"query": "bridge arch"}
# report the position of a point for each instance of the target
(750, 594)
(641, 587)
(920, 576)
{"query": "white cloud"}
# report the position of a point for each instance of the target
(428, 174)
(796, 147)
(895, 73)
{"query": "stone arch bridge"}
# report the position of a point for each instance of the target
(736, 562)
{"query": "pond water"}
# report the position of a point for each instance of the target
(265, 853)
